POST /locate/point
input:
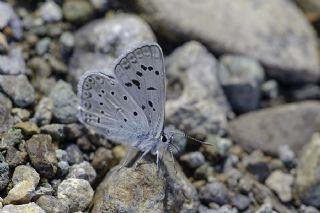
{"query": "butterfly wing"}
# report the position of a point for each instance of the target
(141, 72)
(107, 107)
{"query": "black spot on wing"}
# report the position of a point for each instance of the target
(139, 73)
(136, 82)
(110, 76)
(156, 72)
(150, 103)
(150, 68)
(144, 67)
(128, 84)
(151, 88)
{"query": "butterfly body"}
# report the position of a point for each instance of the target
(126, 103)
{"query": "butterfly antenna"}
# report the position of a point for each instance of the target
(192, 138)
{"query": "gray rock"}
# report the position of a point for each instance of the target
(75, 155)
(269, 129)
(214, 192)
(4, 173)
(102, 161)
(57, 131)
(43, 46)
(6, 119)
(307, 181)
(257, 165)
(77, 10)
(202, 107)
(25, 208)
(15, 157)
(40, 67)
(284, 42)
(64, 103)
(286, 155)
(12, 63)
(281, 183)
(25, 173)
(241, 78)
(193, 159)
(63, 167)
(11, 138)
(100, 42)
(75, 193)
(82, 170)
(10, 18)
(50, 12)
(51, 204)
(240, 201)
(42, 155)
(18, 88)
(43, 114)
(165, 191)
(44, 189)
(20, 114)
(22, 192)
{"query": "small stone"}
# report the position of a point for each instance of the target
(214, 192)
(28, 128)
(74, 154)
(4, 173)
(20, 114)
(21, 193)
(11, 138)
(25, 173)
(286, 154)
(18, 88)
(64, 103)
(100, 4)
(308, 209)
(82, 170)
(270, 89)
(10, 18)
(245, 185)
(40, 67)
(43, 112)
(219, 149)
(241, 78)
(43, 46)
(26, 208)
(102, 161)
(63, 167)
(77, 10)
(281, 183)
(50, 12)
(57, 131)
(75, 193)
(62, 155)
(58, 67)
(67, 43)
(204, 172)
(15, 157)
(52, 205)
(257, 165)
(12, 63)
(193, 159)
(44, 189)
(241, 202)
(42, 155)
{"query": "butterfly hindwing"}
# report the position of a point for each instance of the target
(107, 107)
(141, 72)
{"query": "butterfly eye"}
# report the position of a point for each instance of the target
(164, 139)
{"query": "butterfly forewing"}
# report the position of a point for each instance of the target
(107, 107)
(141, 73)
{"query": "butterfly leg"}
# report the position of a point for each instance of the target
(172, 157)
(142, 156)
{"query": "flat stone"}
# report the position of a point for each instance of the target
(268, 129)
(100, 42)
(75, 193)
(307, 181)
(42, 155)
(26, 208)
(52, 205)
(65, 102)
(202, 107)
(281, 183)
(18, 88)
(284, 42)
(21, 193)
(28, 128)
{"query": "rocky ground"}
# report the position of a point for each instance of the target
(242, 75)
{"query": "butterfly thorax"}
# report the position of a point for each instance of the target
(152, 144)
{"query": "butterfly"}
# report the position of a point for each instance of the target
(126, 104)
